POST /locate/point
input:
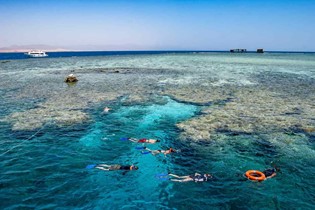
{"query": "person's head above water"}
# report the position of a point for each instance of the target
(106, 109)
(133, 167)
(157, 140)
(208, 175)
(169, 151)
(172, 150)
(276, 168)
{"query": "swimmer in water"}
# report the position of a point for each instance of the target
(165, 152)
(149, 141)
(116, 167)
(191, 178)
(106, 109)
(271, 172)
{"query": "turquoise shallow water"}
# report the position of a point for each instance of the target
(48, 171)
(64, 153)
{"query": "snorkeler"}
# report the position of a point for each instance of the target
(255, 175)
(155, 152)
(106, 109)
(116, 167)
(189, 178)
(271, 172)
(150, 141)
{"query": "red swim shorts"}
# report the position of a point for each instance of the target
(142, 140)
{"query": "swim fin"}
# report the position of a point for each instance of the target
(124, 139)
(90, 166)
(163, 177)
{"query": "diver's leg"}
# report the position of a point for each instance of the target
(187, 179)
(174, 175)
(103, 165)
(179, 180)
(102, 168)
(154, 152)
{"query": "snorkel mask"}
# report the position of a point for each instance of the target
(134, 167)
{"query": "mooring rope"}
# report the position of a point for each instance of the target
(25, 140)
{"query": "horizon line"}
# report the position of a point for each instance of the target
(168, 50)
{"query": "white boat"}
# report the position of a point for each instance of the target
(36, 54)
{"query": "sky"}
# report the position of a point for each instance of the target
(159, 24)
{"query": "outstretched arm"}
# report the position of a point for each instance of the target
(102, 168)
(155, 152)
(177, 180)
(274, 174)
(133, 139)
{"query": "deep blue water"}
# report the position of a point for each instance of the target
(10, 56)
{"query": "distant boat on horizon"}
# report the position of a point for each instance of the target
(36, 54)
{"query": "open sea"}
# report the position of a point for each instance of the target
(225, 113)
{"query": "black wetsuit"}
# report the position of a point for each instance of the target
(268, 172)
(119, 167)
(199, 178)
(124, 167)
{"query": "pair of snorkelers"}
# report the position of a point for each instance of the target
(152, 141)
(268, 173)
(195, 177)
(143, 140)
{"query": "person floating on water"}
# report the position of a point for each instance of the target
(116, 167)
(271, 172)
(189, 178)
(106, 109)
(155, 152)
(150, 141)
(255, 175)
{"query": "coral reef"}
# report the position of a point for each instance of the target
(241, 94)
(252, 110)
(62, 109)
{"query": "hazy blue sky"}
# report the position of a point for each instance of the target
(163, 24)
